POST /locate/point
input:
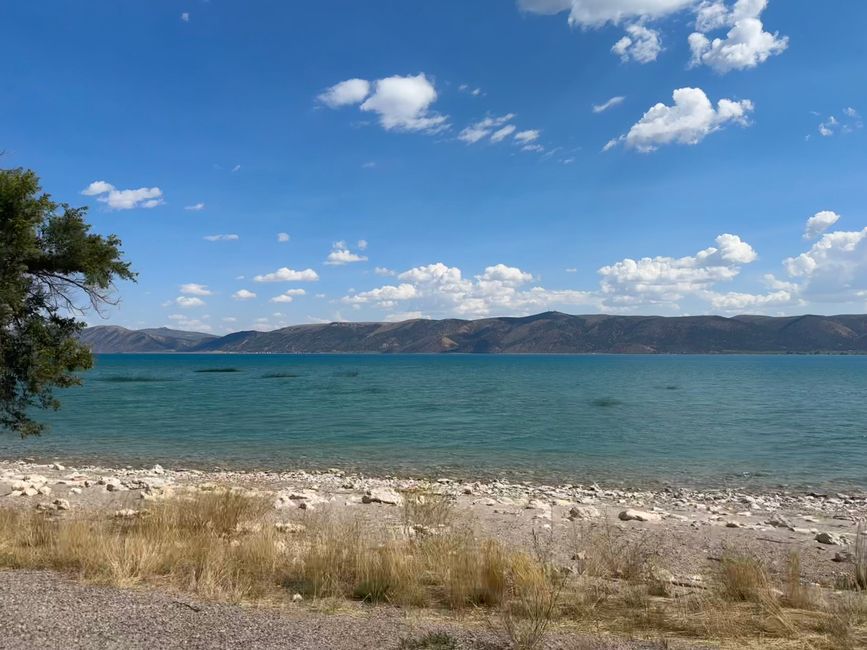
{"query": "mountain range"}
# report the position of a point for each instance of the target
(550, 332)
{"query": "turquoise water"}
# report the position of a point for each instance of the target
(688, 420)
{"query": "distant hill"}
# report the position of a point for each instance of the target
(110, 338)
(551, 332)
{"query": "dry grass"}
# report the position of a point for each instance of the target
(222, 545)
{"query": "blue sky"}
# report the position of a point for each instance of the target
(466, 169)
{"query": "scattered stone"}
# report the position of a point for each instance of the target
(297, 598)
(583, 512)
(779, 521)
(30, 491)
(61, 504)
(127, 513)
(56, 466)
(44, 490)
(832, 539)
(638, 515)
(75, 490)
(289, 527)
(158, 470)
(844, 556)
(383, 495)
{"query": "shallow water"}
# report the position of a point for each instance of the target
(754, 421)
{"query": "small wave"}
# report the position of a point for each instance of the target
(218, 370)
(346, 373)
(606, 402)
(279, 375)
(132, 379)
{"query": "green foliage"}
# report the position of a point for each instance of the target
(52, 268)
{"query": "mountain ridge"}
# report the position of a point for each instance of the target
(548, 332)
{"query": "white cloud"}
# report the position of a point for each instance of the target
(236, 168)
(362, 244)
(442, 289)
(819, 223)
(187, 323)
(483, 128)
(403, 104)
(143, 197)
(641, 44)
(397, 317)
(655, 280)
(689, 121)
(746, 45)
(833, 270)
(288, 296)
(501, 134)
(528, 136)
(351, 91)
(187, 302)
(243, 294)
(475, 92)
(282, 237)
(381, 270)
(734, 301)
(850, 121)
(196, 207)
(193, 289)
(595, 13)
(229, 237)
(185, 16)
(611, 103)
(285, 274)
(340, 255)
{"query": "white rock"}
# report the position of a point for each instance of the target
(61, 504)
(297, 598)
(583, 512)
(383, 495)
(19, 486)
(29, 491)
(44, 490)
(639, 515)
(75, 490)
(158, 469)
(56, 466)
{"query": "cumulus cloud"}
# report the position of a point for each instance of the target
(595, 13)
(282, 237)
(196, 207)
(185, 17)
(689, 120)
(189, 301)
(641, 44)
(345, 93)
(497, 129)
(143, 197)
(185, 322)
(437, 288)
(193, 289)
(401, 103)
(819, 223)
(243, 294)
(834, 269)
(656, 280)
(288, 296)
(611, 103)
(286, 274)
(381, 270)
(746, 44)
(340, 254)
(229, 237)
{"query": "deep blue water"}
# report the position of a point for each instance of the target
(688, 420)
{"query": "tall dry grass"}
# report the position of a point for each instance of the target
(223, 545)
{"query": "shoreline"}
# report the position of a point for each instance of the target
(736, 484)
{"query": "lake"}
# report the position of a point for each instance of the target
(746, 421)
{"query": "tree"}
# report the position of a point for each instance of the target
(52, 269)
